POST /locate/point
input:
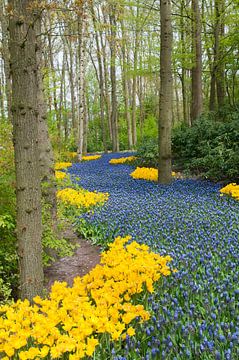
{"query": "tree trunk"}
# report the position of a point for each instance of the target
(219, 61)
(25, 112)
(6, 60)
(81, 57)
(197, 99)
(126, 90)
(46, 157)
(114, 117)
(101, 82)
(134, 86)
(166, 94)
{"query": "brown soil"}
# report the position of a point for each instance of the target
(85, 257)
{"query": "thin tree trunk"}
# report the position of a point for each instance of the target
(126, 90)
(5, 56)
(219, 61)
(24, 67)
(81, 52)
(197, 99)
(166, 94)
(101, 82)
(114, 117)
(134, 86)
(54, 81)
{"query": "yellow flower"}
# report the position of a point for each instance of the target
(146, 173)
(71, 319)
(81, 199)
(60, 175)
(122, 160)
(131, 331)
(231, 190)
(62, 165)
(91, 157)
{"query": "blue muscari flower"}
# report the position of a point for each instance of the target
(188, 220)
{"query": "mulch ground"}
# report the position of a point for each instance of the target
(86, 256)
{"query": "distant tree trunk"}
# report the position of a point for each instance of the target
(134, 86)
(24, 68)
(2, 97)
(54, 81)
(166, 94)
(85, 122)
(101, 82)
(5, 56)
(81, 52)
(197, 99)
(72, 88)
(46, 157)
(114, 115)
(106, 81)
(183, 78)
(63, 74)
(126, 91)
(219, 61)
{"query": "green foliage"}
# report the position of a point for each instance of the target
(210, 147)
(148, 153)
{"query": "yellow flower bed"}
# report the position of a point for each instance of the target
(232, 190)
(122, 160)
(72, 320)
(146, 173)
(62, 165)
(81, 198)
(91, 157)
(60, 175)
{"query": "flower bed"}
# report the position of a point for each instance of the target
(72, 321)
(81, 198)
(91, 157)
(231, 190)
(144, 173)
(122, 160)
(195, 310)
(62, 165)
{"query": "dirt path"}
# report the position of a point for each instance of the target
(86, 256)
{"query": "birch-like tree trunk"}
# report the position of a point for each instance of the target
(5, 56)
(114, 111)
(25, 114)
(197, 97)
(81, 53)
(166, 94)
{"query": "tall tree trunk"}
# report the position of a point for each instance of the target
(72, 88)
(81, 52)
(101, 81)
(166, 94)
(197, 98)
(219, 61)
(5, 56)
(25, 110)
(134, 86)
(46, 156)
(53, 72)
(183, 78)
(126, 90)
(114, 115)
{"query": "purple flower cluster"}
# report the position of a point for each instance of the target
(195, 312)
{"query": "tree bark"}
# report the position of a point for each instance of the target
(197, 98)
(166, 94)
(114, 115)
(25, 113)
(126, 90)
(81, 52)
(6, 59)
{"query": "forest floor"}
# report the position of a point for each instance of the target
(85, 257)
